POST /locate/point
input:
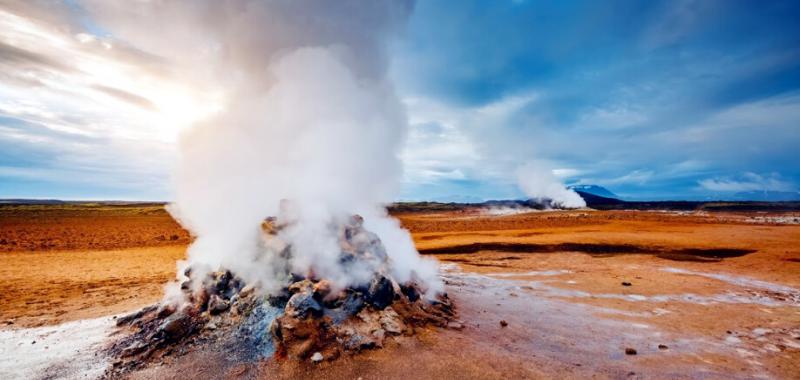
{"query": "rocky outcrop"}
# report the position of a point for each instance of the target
(308, 319)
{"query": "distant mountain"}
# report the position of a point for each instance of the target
(768, 196)
(594, 190)
(593, 200)
(602, 203)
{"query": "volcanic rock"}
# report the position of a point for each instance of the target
(301, 304)
(176, 326)
(411, 292)
(217, 305)
(307, 317)
(380, 293)
(127, 319)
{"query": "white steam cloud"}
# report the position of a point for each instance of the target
(306, 114)
(538, 182)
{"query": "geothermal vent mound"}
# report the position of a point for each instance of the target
(308, 319)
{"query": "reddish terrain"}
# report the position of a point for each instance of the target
(694, 294)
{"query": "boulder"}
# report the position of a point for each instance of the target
(411, 292)
(380, 293)
(302, 304)
(175, 327)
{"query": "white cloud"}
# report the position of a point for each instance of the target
(93, 109)
(748, 182)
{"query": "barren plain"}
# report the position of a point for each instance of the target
(567, 294)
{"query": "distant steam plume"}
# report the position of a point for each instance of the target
(538, 182)
(306, 114)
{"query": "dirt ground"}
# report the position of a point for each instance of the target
(718, 291)
(25, 228)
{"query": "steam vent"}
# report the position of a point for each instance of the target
(306, 320)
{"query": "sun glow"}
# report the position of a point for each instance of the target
(177, 109)
(134, 97)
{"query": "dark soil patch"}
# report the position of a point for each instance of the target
(479, 264)
(597, 250)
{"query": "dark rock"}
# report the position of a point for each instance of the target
(380, 293)
(175, 327)
(222, 281)
(127, 319)
(165, 311)
(625, 283)
(443, 304)
(662, 347)
(134, 348)
(301, 304)
(411, 291)
(630, 351)
(503, 323)
(348, 305)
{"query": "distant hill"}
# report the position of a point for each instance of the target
(594, 190)
(32, 201)
(603, 203)
(768, 196)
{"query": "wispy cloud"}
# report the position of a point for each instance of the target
(748, 182)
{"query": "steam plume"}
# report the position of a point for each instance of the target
(307, 115)
(538, 182)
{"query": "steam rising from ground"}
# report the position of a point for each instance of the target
(538, 182)
(306, 115)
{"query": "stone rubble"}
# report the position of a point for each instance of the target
(315, 323)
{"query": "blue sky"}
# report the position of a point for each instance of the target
(651, 99)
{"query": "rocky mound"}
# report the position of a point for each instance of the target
(306, 320)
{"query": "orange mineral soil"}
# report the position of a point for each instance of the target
(542, 295)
